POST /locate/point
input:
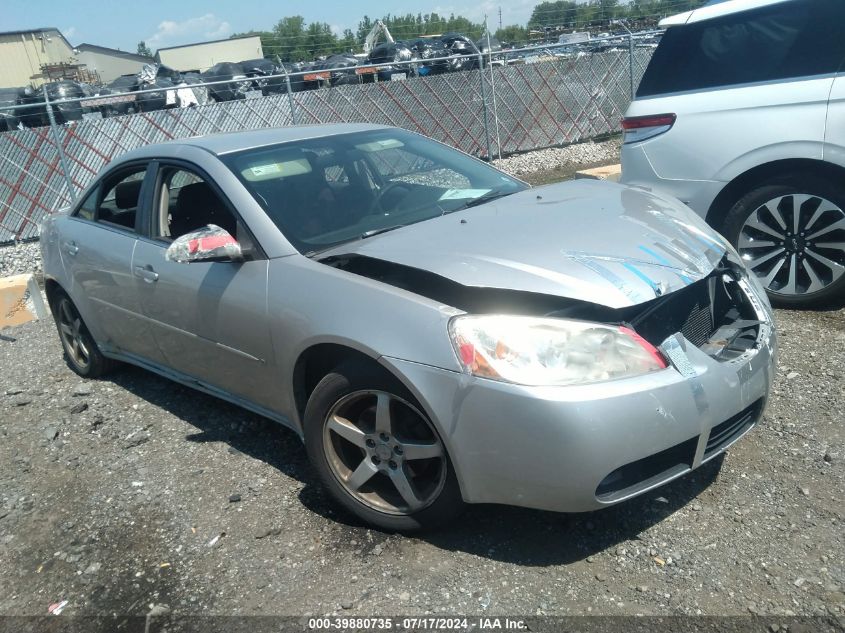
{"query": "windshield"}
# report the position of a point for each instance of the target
(326, 191)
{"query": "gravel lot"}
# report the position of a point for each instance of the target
(132, 493)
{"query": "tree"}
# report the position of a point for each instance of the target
(144, 50)
(514, 35)
(560, 13)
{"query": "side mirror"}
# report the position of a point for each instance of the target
(208, 244)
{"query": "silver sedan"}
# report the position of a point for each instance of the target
(437, 332)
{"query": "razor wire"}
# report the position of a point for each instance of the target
(548, 100)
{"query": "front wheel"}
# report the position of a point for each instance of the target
(378, 453)
(791, 235)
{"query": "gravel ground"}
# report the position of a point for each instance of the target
(579, 156)
(128, 492)
(16, 259)
(132, 493)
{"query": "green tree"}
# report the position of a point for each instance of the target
(144, 50)
(560, 13)
(515, 35)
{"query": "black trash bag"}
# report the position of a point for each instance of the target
(233, 90)
(342, 69)
(162, 78)
(123, 84)
(261, 72)
(35, 115)
(9, 118)
(463, 51)
(426, 48)
(398, 54)
(60, 92)
(297, 83)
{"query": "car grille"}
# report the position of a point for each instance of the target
(731, 429)
(698, 312)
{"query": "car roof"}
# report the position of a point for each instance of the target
(227, 142)
(716, 9)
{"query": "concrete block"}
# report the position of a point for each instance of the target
(609, 172)
(20, 300)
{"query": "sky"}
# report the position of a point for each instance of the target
(160, 23)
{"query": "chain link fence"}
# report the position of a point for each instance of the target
(544, 101)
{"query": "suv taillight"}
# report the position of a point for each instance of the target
(639, 128)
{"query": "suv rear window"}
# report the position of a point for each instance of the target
(791, 39)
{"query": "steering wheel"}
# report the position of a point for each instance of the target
(377, 205)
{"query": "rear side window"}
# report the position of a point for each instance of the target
(792, 39)
(115, 200)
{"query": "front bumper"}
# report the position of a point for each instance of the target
(574, 449)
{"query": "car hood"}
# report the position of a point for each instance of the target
(589, 240)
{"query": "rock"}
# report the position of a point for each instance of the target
(601, 577)
(696, 507)
(234, 498)
(136, 440)
(345, 605)
(97, 421)
(81, 390)
(93, 568)
(591, 559)
(158, 610)
(265, 532)
(50, 433)
(377, 550)
(828, 457)
(404, 596)
(792, 375)
(79, 408)
(22, 402)
(13, 391)
(642, 588)
(805, 491)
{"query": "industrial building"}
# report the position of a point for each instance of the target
(29, 57)
(109, 63)
(203, 55)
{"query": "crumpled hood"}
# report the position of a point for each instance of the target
(594, 241)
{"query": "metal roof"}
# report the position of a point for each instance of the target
(115, 52)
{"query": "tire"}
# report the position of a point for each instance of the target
(367, 400)
(80, 350)
(802, 279)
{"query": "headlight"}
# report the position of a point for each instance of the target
(543, 351)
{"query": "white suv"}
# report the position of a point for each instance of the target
(741, 115)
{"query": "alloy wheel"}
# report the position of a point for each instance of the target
(795, 244)
(384, 452)
(71, 330)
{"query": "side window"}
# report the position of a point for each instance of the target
(185, 202)
(787, 40)
(115, 200)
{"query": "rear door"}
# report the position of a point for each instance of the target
(209, 318)
(97, 246)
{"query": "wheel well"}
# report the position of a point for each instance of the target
(52, 289)
(317, 361)
(762, 174)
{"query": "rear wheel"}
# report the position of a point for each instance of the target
(80, 351)
(791, 235)
(378, 453)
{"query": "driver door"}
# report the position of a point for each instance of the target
(209, 318)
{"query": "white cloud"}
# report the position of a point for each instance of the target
(204, 27)
(69, 32)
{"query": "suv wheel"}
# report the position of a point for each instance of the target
(791, 234)
(378, 453)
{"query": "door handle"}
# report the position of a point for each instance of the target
(146, 273)
(71, 248)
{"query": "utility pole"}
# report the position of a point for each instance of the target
(500, 18)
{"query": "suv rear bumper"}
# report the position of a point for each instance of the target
(638, 171)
